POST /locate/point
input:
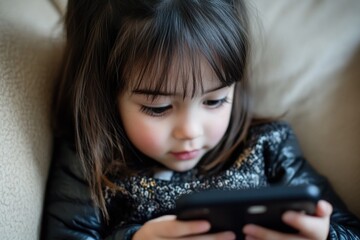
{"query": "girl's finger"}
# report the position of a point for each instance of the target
(251, 238)
(163, 218)
(168, 226)
(213, 236)
(323, 209)
(182, 228)
(257, 232)
(311, 226)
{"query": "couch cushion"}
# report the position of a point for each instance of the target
(306, 64)
(30, 50)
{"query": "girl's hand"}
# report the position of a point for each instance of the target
(310, 227)
(167, 227)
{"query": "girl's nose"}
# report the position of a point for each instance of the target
(188, 127)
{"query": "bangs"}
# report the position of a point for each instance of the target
(169, 49)
(178, 74)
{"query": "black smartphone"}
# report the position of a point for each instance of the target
(232, 209)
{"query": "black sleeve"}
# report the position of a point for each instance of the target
(288, 167)
(69, 212)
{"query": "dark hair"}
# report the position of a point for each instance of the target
(109, 41)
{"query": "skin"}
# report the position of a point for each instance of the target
(176, 132)
(310, 227)
(167, 227)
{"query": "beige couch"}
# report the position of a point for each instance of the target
(30, 50)
(306, 63)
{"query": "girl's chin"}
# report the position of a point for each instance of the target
(183, 167)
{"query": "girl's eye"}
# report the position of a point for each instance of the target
(155, 111)
(216, 103)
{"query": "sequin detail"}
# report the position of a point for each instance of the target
(141, 198)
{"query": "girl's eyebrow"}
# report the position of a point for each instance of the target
(150, 92)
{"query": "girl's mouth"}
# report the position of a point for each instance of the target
(186, 155)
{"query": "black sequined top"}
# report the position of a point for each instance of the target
(271, 155)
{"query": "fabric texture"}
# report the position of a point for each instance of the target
(306, 65)
(29, 57)
(306, 70)
(270, 156)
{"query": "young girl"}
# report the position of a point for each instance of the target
(153, 104)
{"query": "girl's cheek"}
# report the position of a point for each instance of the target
(218, 126)
(147, 140)
(218, 131)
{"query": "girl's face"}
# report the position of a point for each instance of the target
(174, 130)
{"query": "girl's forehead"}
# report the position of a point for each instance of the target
(188, 79)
